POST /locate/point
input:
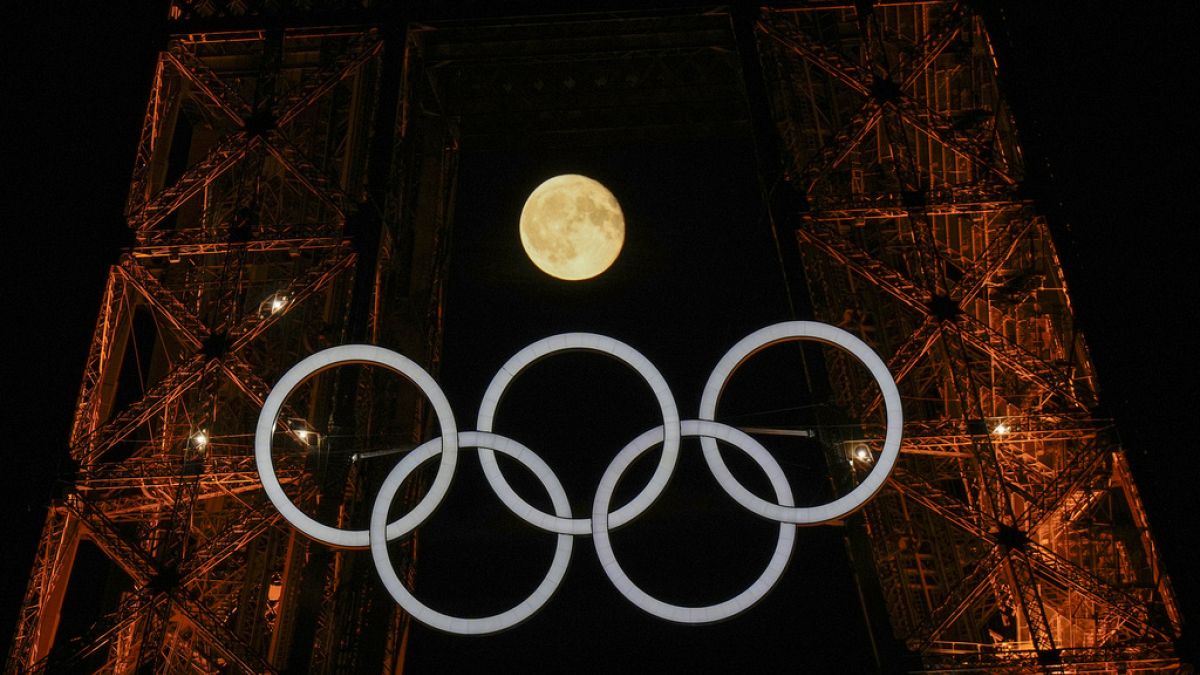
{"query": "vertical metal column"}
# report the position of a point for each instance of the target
(265, 206)
(1011, 535)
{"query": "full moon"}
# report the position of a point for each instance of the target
(572, 227)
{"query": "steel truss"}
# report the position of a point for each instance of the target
(1012, 537)
(289, 183)
(261, 206)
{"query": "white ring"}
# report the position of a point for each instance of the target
(707, 430)
(593, 343)
(324, 360)
(821, 332)
(445, 622)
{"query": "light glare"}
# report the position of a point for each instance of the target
(200, 439)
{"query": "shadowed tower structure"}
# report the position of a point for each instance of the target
(1013, 535)
(294, 189)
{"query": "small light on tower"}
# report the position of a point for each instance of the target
(200, 440)
(302, 432)
(273, 304)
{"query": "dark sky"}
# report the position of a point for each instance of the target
(1098, 98)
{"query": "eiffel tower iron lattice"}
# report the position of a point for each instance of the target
(294, 187)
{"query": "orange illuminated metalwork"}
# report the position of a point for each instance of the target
(292, 187)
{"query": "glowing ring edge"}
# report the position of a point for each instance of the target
(651, 605)
(600, 344)
(419, 610)
(324, 360)
(822, 332)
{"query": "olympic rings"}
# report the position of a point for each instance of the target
(601, 521)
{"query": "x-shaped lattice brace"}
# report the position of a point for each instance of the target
(1006, 543)
(974, 333)
(150, 598)
(159, 588)
(978, 336)
(1028, 366)
(189, 330)
(233, 148)
(886, 96)
(91, 446)
(970, 330)
(883, 95)
(254, 130)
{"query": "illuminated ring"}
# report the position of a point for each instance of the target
(418, 610)
(821, 332)
(580, 342)
(608, 559)
(324, 360)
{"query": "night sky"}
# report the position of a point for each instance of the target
(1098, 103)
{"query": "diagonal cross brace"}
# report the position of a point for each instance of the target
(187, 326)
(972, 332)
(209, 83)
(143, 570)
(361, 50)
(1042, 560)
(94, 445)
(299, 290)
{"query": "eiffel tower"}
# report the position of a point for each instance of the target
(295, 188)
